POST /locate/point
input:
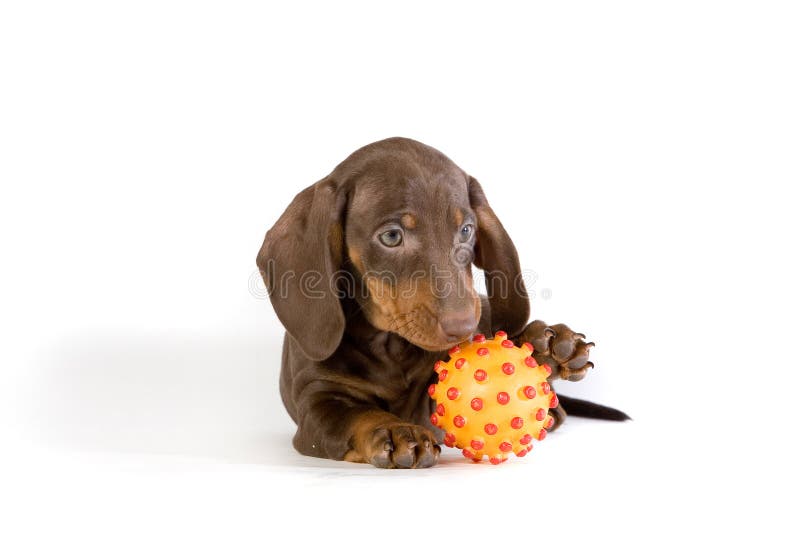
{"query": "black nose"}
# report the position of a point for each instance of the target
(458, 327)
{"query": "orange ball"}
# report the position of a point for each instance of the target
(492, 398)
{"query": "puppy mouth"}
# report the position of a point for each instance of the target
(434, 341)
(422, 327)
(435, 346)
(452, 341)
(437, 340)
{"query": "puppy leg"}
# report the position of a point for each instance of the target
(558, 346)
(364, 434)
(564, 351)
(568, 356)
(385, 441)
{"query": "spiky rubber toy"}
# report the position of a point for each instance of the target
(492, 398)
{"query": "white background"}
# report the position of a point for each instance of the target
(644, 158)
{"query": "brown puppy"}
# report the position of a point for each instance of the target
(369, 270)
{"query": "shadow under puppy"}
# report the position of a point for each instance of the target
(369, 270)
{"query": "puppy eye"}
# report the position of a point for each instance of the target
(391, 238)
(465, 234)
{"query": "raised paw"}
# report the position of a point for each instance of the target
(558, 346)
(398, 445)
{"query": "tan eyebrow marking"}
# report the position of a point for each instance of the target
(459, 217)
(408, 221)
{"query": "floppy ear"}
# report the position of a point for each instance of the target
(298, 259)
(496, 255)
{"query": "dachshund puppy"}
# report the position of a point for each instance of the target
(369, 271)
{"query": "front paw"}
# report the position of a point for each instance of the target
(558, 346)
(399, 445)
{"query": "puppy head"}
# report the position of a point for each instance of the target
(396, 226)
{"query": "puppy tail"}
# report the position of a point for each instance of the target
(587, 409)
